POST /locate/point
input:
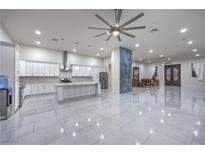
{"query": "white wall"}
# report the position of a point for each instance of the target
(84, 60)
(142, 68)
(3, 34)
(115, 62)
(40, 54)
(186, 77)
(150, 68)
(55, 56)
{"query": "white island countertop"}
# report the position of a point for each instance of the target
(76, 89)
(75, 83)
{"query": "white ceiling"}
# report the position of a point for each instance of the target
(73, 25)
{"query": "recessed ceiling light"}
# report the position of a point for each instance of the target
(183, 30)
(194, 50)
(37, 32)
(148, 61)
(38, 42)
(190, 42)
(98, 54)
(150, 51)
(161, 55)
(62, 130)
(197, 55)
(74, 50)
(137, 45)
(140, 59)
(168, 58)
(198, 123)
(162, 121)
(101, 49)
(115, 32)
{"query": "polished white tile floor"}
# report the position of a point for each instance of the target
(165, 115)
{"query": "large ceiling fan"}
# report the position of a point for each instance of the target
(118, 29)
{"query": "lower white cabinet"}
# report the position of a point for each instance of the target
(40, 88)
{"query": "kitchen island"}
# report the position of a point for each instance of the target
(76, 89)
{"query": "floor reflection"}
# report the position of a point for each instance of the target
(172, 96)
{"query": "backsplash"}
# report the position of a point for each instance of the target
(30, 80)
(82, 79)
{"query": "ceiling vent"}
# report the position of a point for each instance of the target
(55, 39)
(154, 30)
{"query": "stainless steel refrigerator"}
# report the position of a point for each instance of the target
(104, 80)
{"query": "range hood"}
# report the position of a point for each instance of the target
(64, 67)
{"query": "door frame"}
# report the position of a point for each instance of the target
(172, 83)
(136, 68)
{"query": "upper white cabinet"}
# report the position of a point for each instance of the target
(83, 71)
(22, 68)
(28, 68)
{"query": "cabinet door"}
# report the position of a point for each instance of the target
(22, 68)
(29, 69)
(51, 69)
(27, 90)
(46, 71)
(34, 89)
(77, 70)
(41, 69)
(41, 88)
(89, 71)
(35, 67)
(56, 73)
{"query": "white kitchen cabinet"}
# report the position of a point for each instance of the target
(41, 88)
(47, 88)
(29, 69)
(46, 69)
(41, 69)
(36, 69)
(51, 70)
(57, 72)
(22, 68)
(34, 89)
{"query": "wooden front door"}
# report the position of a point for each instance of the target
(172, 74)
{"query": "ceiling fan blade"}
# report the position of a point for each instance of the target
(108, 37)
(99, 28)
(130, 35)
(119, 39)
(119, 13)
(100, 34)
(132, 20)
(103, 20)
(131, 28)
